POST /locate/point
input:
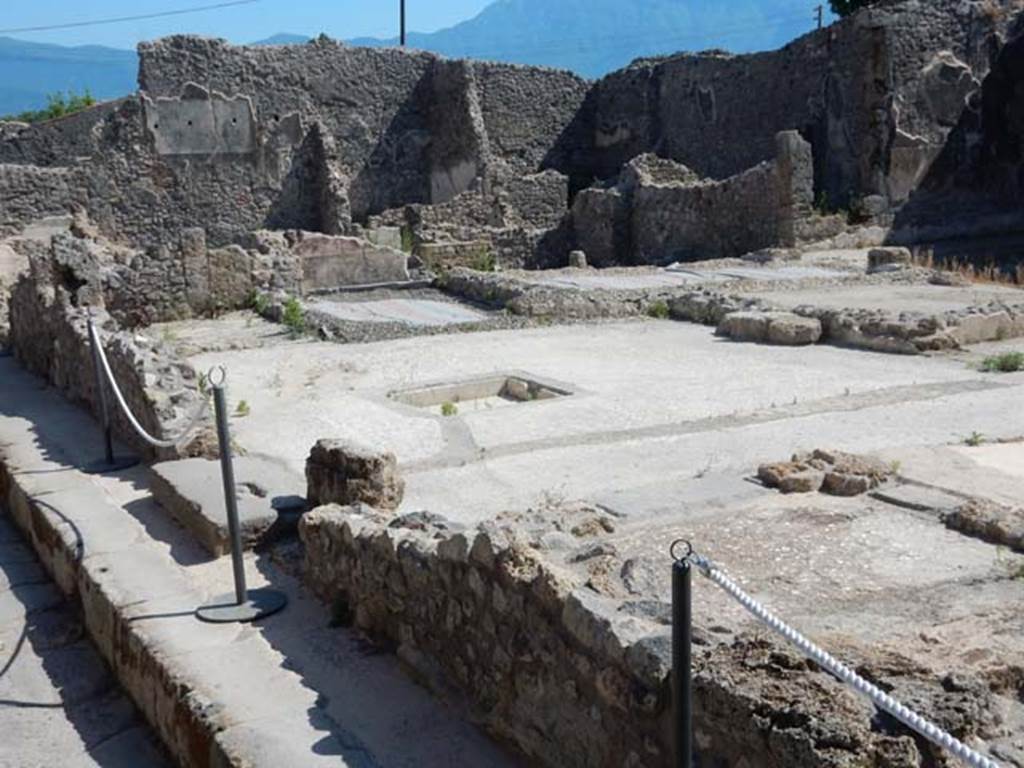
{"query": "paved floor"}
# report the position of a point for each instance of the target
(59, 703)
(904, 298)
(673, 276)
(416, 312)
(654, 405)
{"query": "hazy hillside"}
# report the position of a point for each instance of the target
(591, 37)
(29, 71)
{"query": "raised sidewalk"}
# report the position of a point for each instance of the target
(289, 691)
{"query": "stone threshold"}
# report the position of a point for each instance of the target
(216, 695)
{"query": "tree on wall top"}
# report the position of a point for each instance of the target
(846, 7)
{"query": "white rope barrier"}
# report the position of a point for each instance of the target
(825, 660)
(139, 429)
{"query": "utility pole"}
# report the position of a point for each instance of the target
(820, 11)
(402, 22)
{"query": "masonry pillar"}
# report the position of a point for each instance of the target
(794, 161)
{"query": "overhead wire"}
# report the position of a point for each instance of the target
(120, 19)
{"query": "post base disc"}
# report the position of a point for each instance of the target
(259, 603)
(102, 466)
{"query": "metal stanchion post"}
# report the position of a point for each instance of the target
(243, 604)
(682, 692)
(110, 462)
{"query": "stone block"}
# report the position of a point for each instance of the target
(341, 472)
(792, 330)
(194, 260)
(269, 499)
(230, 276)
(783, 328)
(888, 259)
(386, 237)
(846, 484)
(744, 326)
(791, 477)
(330, 261)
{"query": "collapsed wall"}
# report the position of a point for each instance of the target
(660, 211)
(876, 94)
(50, 303)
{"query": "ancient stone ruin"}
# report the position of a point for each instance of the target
(494, 337)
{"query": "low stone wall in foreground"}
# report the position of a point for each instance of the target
(564, 651)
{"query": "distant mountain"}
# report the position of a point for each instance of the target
(284, 38)
(30, 71)
(594, 37)
(591, 37)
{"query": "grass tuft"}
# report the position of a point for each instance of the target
(1008, 362)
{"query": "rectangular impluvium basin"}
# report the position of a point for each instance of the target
(482, 394)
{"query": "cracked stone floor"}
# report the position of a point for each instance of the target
(59, 702)
(658, 409)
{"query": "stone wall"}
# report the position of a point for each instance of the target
(873, 93)
(564, 651)
(976, 184)
(61, 141)
(48, 336)
(660, 211)
(323, 136)
(415, 128)
(29, 192)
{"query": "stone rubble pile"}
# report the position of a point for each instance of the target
(832, 472)
(992, 522)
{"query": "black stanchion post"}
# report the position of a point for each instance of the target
(109, 462)
(243, 604)
(682, 693)
(227, 471)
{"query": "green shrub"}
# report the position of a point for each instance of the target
(658, 310)
(1008, 362)
(449, 409)
(58, 105)
(408, 240)
(242, 409)
(258, 302)
(974, 439)
(293, 317)
(484, 261)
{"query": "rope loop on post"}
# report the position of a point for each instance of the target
(686, 556)
(822, 658)
(216, 376)
(174, 442)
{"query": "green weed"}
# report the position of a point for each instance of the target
(293, 317)
(658, 310)
(1008, 362)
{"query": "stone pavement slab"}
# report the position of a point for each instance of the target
(270, 498)
(416, 312)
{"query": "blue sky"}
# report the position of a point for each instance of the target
(244, 23)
